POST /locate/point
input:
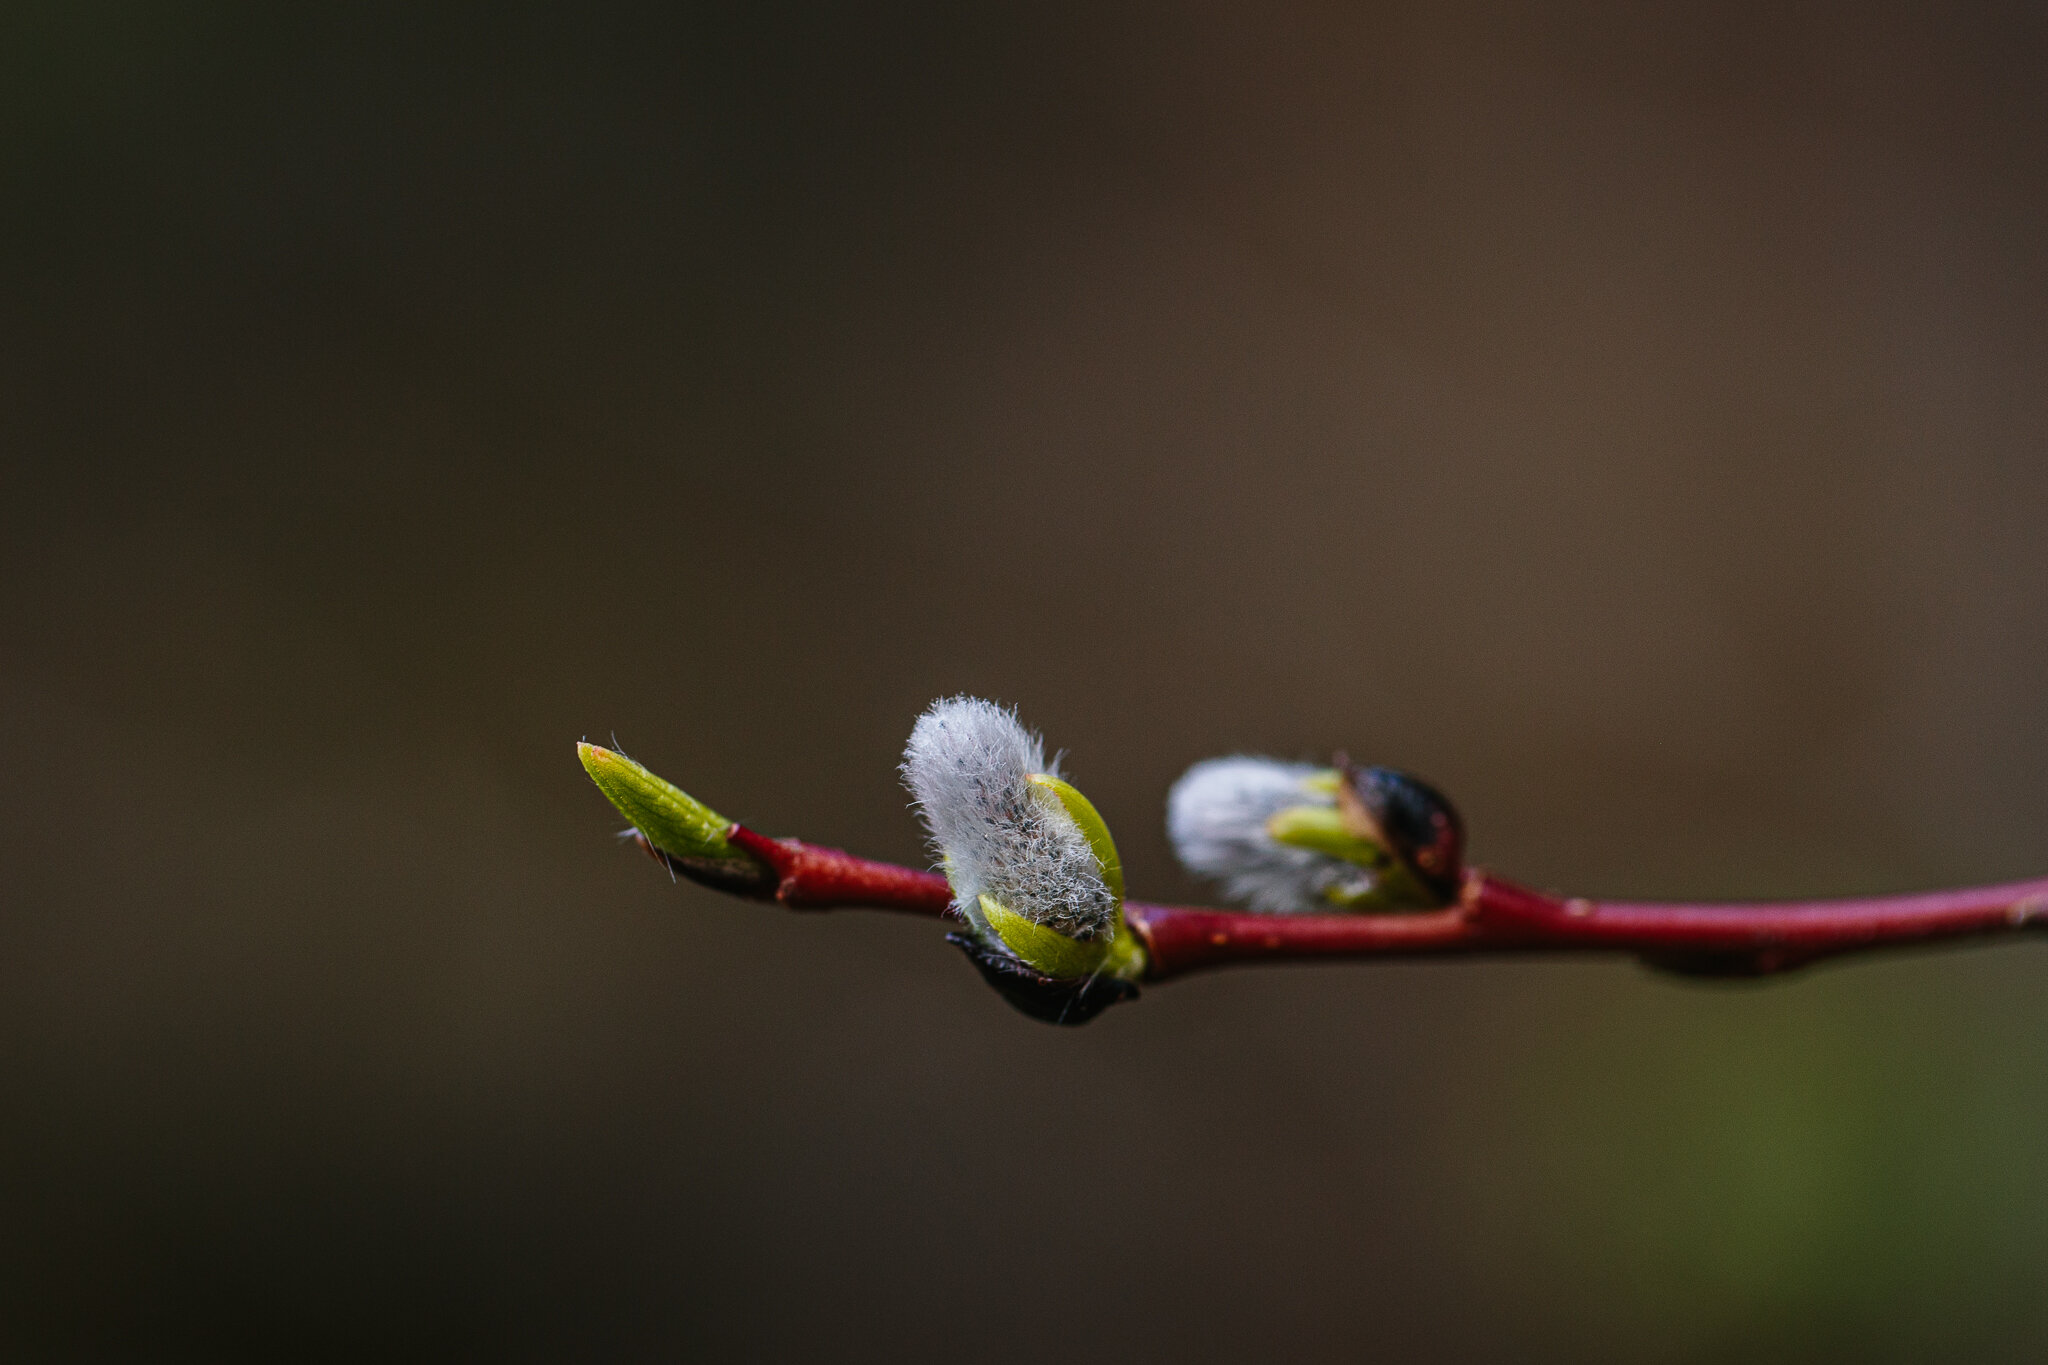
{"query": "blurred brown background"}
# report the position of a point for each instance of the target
(1629, 417)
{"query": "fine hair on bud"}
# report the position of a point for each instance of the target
(1216, 816)
(968, 764)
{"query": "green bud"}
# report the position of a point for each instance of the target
(671, 820)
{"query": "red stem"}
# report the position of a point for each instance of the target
(1492, 916)
(814, 877)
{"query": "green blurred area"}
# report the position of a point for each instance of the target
(1629, 420)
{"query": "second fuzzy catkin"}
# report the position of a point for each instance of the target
(1216, 816)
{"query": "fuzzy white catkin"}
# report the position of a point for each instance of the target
(1216, 816)
(967, 763)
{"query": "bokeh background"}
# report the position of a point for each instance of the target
(1629, 417)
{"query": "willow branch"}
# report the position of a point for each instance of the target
(1493, 916)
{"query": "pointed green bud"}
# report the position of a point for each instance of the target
(670, 818)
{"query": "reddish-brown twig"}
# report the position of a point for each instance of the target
(1493, 916)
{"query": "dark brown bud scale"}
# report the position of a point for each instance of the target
(1043, 997)
(1412, 820)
